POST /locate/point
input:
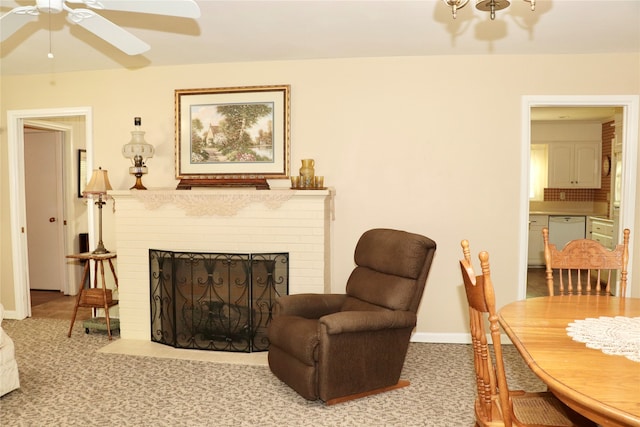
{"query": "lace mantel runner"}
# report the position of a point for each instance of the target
(198, 204)
(612, 335)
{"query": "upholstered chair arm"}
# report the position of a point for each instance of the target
(358, 321)
(310, 306)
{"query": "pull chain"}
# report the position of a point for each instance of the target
(50, 54)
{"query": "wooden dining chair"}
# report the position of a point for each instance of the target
(584, 266)
(495, 404)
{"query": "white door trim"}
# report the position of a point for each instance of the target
(630, 105)
(15, 134)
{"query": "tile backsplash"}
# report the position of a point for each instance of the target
(570, 194)
(566, 207)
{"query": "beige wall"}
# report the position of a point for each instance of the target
(426, 144)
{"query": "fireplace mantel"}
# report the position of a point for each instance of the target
(218, 220)
(221, 202)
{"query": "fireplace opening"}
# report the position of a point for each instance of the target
(215, 301)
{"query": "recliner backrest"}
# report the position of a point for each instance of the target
(391, 271)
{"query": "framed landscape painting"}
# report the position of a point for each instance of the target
(232, 136)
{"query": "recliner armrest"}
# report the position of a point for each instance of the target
(356, 321)
(310, 306)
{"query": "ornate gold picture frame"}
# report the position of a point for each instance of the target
(235, 136)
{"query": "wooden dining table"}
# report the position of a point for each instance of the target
(604, 388)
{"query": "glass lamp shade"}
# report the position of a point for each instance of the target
(137, 147)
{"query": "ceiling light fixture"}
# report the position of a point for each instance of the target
(483, 5)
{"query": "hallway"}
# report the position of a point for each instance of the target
(55, 305)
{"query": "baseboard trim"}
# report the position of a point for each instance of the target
(442, 338)
(11, 314)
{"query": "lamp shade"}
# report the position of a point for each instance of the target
(98, 184)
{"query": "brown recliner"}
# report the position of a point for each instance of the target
(331, 346)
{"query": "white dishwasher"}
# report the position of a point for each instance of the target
(563, 229)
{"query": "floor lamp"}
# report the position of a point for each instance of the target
(97, 187)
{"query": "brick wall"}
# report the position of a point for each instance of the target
(604, 193)
(297, 223)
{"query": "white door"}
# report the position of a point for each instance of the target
(44, 205)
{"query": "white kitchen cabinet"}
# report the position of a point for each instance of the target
(602, 231)
(574, 164)
(535, 255)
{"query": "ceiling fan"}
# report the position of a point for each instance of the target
(91, 21)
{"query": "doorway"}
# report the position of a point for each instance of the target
(44, 198)
(79, 121)
(629, 106)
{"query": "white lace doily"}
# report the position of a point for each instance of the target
(223, 204)
(612, 335)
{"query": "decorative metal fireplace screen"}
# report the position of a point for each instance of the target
(215, 301)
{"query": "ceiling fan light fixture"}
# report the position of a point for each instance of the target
(49, 6)
(120, 38)
(50, 54)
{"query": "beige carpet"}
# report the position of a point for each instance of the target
(87, 381)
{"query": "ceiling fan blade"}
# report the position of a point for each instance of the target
(108, 31)
(16, 18)
(180, 8)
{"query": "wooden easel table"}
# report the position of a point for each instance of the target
(98, 259)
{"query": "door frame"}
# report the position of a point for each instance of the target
(15, 137)
(630, 105)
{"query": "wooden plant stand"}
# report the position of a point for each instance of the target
(84, 299)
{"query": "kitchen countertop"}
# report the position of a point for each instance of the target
(595, 209)
(568, 213)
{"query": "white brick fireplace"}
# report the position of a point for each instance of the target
(218, 220)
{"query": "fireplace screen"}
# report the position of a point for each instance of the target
(215, 301)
